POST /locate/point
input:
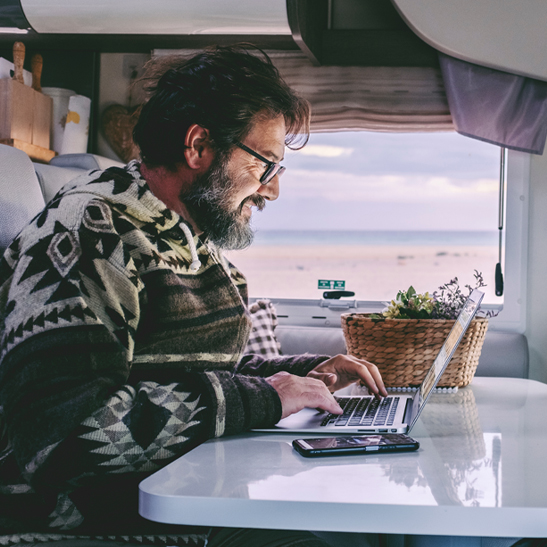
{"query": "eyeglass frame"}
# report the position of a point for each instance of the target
(270, 164)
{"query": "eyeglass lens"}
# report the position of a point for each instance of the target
(272, 170)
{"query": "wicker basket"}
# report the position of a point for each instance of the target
(404, 349)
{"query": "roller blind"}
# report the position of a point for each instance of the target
(400, 99)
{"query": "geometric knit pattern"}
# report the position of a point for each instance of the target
(180, 540)
(65, 515)
(158, 444)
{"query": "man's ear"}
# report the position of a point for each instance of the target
(198, 152)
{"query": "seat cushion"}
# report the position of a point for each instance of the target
(84, 161)
(319, 340)
(52, 178)
(20, 196)
(503, 353)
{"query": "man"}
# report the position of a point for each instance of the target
(122, 324)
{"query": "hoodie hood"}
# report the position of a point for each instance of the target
(126, 190)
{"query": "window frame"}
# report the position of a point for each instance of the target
(511, 314)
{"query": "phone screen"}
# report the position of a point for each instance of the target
(356, 445)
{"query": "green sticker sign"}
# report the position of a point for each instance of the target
(332, 284)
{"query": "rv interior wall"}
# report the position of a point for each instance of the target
(537, 266)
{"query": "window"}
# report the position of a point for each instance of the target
(380, 211)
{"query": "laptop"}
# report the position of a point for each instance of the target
(394, 414)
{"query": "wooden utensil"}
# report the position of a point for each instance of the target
(36, 64)
(18, 61)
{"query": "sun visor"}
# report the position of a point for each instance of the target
(158, 17)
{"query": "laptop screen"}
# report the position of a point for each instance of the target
(446, 352)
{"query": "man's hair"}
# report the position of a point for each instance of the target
(222, 89)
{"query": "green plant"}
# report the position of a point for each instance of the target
(445, 303)
(410, 305)
(450, 298)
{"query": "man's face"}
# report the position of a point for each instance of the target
(221, 200)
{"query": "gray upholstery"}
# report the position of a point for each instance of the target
(20, 195)
(322, 340)
(503, 354)
(62, 169)
(84, 161)
(52, 178)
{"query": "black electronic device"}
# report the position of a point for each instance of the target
(365, 444)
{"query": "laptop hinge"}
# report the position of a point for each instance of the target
(408, 408)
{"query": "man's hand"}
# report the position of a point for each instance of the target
(297, 393)
(342, 370)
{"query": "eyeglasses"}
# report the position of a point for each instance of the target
(272, 168)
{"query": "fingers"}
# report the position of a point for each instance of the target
(348, 369)
(370, 376)
(297, 392)
(322, 400)
(328, 378)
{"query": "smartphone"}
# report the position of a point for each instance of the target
(365, 444)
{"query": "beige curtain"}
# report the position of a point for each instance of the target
(397, 99)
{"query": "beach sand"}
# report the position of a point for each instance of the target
(372, 272)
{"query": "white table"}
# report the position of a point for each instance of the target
(480, 471)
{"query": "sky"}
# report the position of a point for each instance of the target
(387, 181)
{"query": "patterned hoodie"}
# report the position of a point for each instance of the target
(120, 350)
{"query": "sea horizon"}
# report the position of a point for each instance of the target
(376, 237)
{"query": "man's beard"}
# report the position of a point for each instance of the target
(208, 202)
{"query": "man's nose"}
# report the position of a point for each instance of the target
(270, 191)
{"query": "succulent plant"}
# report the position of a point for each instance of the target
(410, 305)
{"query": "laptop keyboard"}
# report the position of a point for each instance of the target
(364, 411)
